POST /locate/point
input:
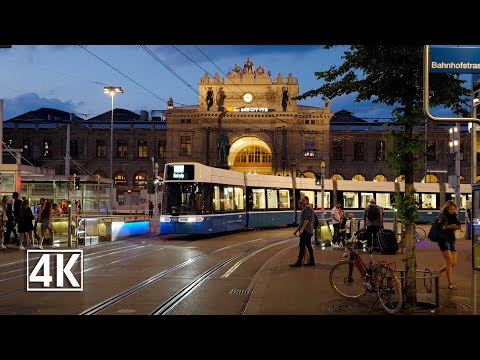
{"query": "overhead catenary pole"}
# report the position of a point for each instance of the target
(1, 130)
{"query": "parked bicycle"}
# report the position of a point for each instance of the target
(420, 234)
(353, 279)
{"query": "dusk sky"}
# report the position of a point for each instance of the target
(71, 77)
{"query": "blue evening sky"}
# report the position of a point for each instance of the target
(71, 77)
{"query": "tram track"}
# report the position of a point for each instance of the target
(176, 298)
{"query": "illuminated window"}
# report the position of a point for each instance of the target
(337, 177)
(122, 149)
(101, 149)
(162, 145)
(142, 149)
(27, 148)
(253, 156)
(309, 146)
(140, 180)
(120, 179)
(358, 177)
(380, 177)
(185, 145)
(380, 150)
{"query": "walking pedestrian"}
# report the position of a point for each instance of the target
(305, 231)
(449, 220)
(373, 220)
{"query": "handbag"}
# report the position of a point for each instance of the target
(458, 234)
(437, 233)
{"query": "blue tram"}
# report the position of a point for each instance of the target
(200, 199)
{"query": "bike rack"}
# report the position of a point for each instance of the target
(428, 278)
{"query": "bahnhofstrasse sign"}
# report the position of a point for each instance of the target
(463, 60)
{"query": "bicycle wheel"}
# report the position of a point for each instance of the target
(420, 234)
(388, 288)
(348, 287)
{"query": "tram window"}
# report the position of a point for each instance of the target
(239, 199)
(272, 199)
(216, 198)
(365, 199)
(311, 197)
(228, 201)
(284, 198)
(427, 201)
(326, 200)
(350, 200)
(258, 199)
(383, 200)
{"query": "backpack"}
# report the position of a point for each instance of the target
(373, 212)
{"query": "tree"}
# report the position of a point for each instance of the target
(393, 75)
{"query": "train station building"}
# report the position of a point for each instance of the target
(247, 120)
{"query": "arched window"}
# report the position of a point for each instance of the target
(477, 179)
(358, 177)
(462, 180)
(380, 177)
(102, 174)
(429, 178)
(140, 180)
(337, 177)
(253, 156)
(120, 179)
(400, 178)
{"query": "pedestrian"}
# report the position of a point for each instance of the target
(150, 208)
(373, 220)
(305, 231)
(468, 223)
(40, 207)
(449, 220)
(25, 223)
(10, 223)
(348, 230)
(3, 221)
(46, 221)
(337, 216)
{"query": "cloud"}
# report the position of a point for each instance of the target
(31, 101)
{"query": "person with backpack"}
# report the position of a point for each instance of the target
(373, 220)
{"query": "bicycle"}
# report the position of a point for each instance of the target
(420, 234)
(352, 279)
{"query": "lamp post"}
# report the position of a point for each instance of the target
(475, 103)
(112, 90)
(155, 183)
(454, 145)
(322, 202)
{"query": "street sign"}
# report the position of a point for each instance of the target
(458, 60)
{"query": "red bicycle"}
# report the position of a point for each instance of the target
(352, 279)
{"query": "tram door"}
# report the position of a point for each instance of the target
(476, 226)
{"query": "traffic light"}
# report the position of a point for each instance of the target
(77, 183)
(318, 180)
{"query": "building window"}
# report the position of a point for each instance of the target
(27, 148)
(253, 156)
(337, 150)
(120, 179)
(358, 177)
(122, 149)
(9, 143)
(358, 150)
(308, 146)
(74, 148)
(185, 121)
(185, 145)
(380, 150)
(47, 148)
(432, 151)
(162, 145)
(142, 149)
(101, 149)
(140, 180)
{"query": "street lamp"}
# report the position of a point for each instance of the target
(112, 90)
(155, 182)
(454, 144)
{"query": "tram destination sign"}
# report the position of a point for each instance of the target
(463, 60)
